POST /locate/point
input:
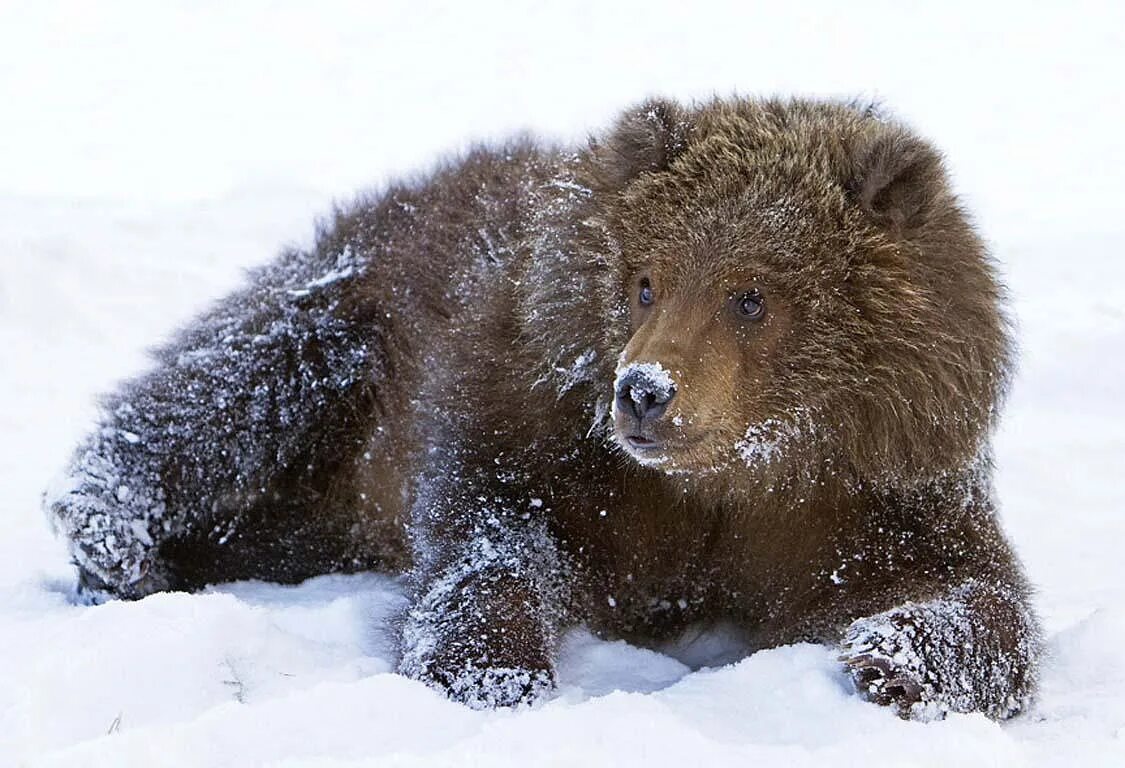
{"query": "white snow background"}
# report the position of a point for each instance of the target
(151, 151)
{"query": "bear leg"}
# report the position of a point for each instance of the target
(490, 593)
(223, 424)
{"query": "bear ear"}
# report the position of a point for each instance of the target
(646, 139)
(899, 180)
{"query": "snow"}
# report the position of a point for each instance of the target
(765, 442)
(578, 371)
(153, 151)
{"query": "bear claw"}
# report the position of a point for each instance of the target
(878, 680)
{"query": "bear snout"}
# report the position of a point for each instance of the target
(644, 394)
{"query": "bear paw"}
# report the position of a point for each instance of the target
(97, 586)
(884, 660)
(491, 687)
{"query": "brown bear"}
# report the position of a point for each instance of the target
(736, 362)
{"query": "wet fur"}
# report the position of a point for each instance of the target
(455, 420)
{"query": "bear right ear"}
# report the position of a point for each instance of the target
(646, 139)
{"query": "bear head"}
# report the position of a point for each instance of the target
(784, 290)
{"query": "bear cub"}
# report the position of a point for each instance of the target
(731, 362)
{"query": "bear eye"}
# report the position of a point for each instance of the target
(752, 305)
(645, 296)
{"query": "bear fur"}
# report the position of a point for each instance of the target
(733, 363)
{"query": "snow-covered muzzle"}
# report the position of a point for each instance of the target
(643, 393)
(673, 410)
(681, 421)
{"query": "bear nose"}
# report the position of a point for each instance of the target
(643, 394)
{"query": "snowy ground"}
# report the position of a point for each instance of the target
(149, 152)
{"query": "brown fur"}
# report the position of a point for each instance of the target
(826, 465)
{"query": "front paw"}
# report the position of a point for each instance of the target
(884, 657)
(97, 586)
(490, 687)
(112, 546)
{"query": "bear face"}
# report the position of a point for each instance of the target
(802, 294)
(699, 365)
(706, 358)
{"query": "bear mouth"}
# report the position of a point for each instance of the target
(642, 443)
(643, 448)
(649, 450)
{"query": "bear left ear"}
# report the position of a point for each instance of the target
(900, 180)
(646, 139)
